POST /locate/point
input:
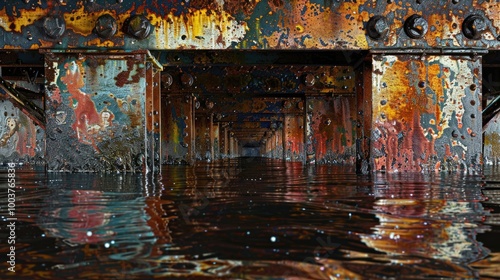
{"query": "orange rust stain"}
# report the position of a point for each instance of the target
(24, 18)
(100, 42)
(294, 135)
(322, 23)
(192, 27)
(85, 111)
(402, 98)
(435, 82)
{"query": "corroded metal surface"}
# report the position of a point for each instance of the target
(21, 101)
(203, 141)
(302, 24)
(331, 131)
(426, 113)
(96, 112)
(492, 141)
(153, 116)
(259, 79)
(294, 136)
(178, 127)
(20, 139)
(253, 101)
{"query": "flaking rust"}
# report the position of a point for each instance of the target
(424, 113)
(492, 141)
(95, 115)
(331, 129)
(301, 24)
(20, 139)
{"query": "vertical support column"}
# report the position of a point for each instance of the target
(231, 147)
(235, 146)
(426, 113)
(203, 142)
(215, 139)
(96, 111)
(294, 138)
(279, 143)
(363, 117)
(273, 144)
(178, 125)
(153, 119)
(157, 118)
(269, 146)
(224, 144)
(330, 129)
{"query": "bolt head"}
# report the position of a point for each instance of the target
(309, 80)
(106, 26)
(187, 79)
(166, 80)
(377, 27)
(54, 26)
(416, 27)
(139, 27)
(473, 26)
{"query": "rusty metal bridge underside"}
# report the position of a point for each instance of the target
(394, 86)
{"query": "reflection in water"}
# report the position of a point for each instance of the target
(254, 218)
(428, 219)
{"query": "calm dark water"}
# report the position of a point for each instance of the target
(253, 218)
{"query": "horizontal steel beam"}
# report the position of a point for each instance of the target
(320, 25)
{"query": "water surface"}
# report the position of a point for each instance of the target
(253, 218)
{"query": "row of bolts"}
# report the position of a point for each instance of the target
(416, 27)
(378, 28)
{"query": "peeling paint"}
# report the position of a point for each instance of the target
(423, 113)
(20, 139)
(94, 123)
(301, 24)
